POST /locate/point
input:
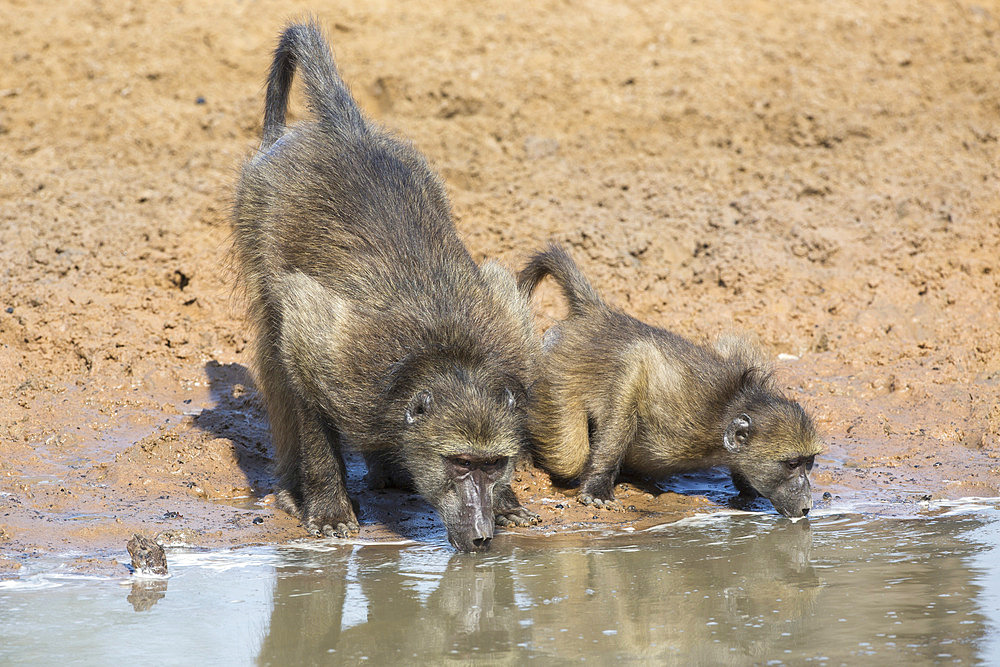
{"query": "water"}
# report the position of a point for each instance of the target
(736, 589)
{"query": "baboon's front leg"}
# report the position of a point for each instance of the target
(611, 440)
(326, 507)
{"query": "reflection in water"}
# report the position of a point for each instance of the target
(146, 592)
(730, 590)
(734, 589)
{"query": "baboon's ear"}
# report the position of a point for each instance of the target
(419, 405)
(510, 398)
(513, 393)
(736, 434)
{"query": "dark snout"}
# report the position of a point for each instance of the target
(794, 499)
(470, 528)
(476, 534)
(795, 512)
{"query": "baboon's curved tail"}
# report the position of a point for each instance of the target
(303, 46)
(556, 262)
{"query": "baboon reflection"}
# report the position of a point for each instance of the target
(403, 605)
(557, 600)
(729, 591)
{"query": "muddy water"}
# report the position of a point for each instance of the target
(841, 588)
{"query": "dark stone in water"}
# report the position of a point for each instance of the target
(827, 495)
(147, 555)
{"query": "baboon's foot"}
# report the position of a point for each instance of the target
(330, 519)
(604, 503)
(516, 516)
(598, 491)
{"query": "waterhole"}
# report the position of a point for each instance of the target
(729, 588)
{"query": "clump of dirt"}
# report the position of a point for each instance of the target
(824, 175)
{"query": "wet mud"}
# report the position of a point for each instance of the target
(822, 175)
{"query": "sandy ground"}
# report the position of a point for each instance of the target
(822, 174)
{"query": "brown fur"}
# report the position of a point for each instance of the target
(373, 325)
(614, 393)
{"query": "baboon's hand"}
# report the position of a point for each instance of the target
(326, 521)
(604, 503)
(332, 527)
(517, 516)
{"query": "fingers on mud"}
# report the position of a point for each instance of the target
(340, 529)
(605, 504)
(520, 517)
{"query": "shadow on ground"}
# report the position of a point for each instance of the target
(239, 416)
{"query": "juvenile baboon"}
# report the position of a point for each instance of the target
(613, 392)
(373, 325)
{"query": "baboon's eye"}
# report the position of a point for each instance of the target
(810, 462)
(461, 462)
(793, 463)
(494, 464)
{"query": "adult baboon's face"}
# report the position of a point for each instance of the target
(463, 446)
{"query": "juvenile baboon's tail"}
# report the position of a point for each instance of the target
(556, 262)
(303, 46)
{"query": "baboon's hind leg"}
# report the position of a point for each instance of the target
(607, 451)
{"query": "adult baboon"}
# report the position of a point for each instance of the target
(373, 324)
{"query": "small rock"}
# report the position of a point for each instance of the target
(827, 495)
(173, 515)
(199, 100)
(10, 309)
(147, 556)
(258, 520)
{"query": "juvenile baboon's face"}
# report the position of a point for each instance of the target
(785, 483)
(462, 443)
(774, 447)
